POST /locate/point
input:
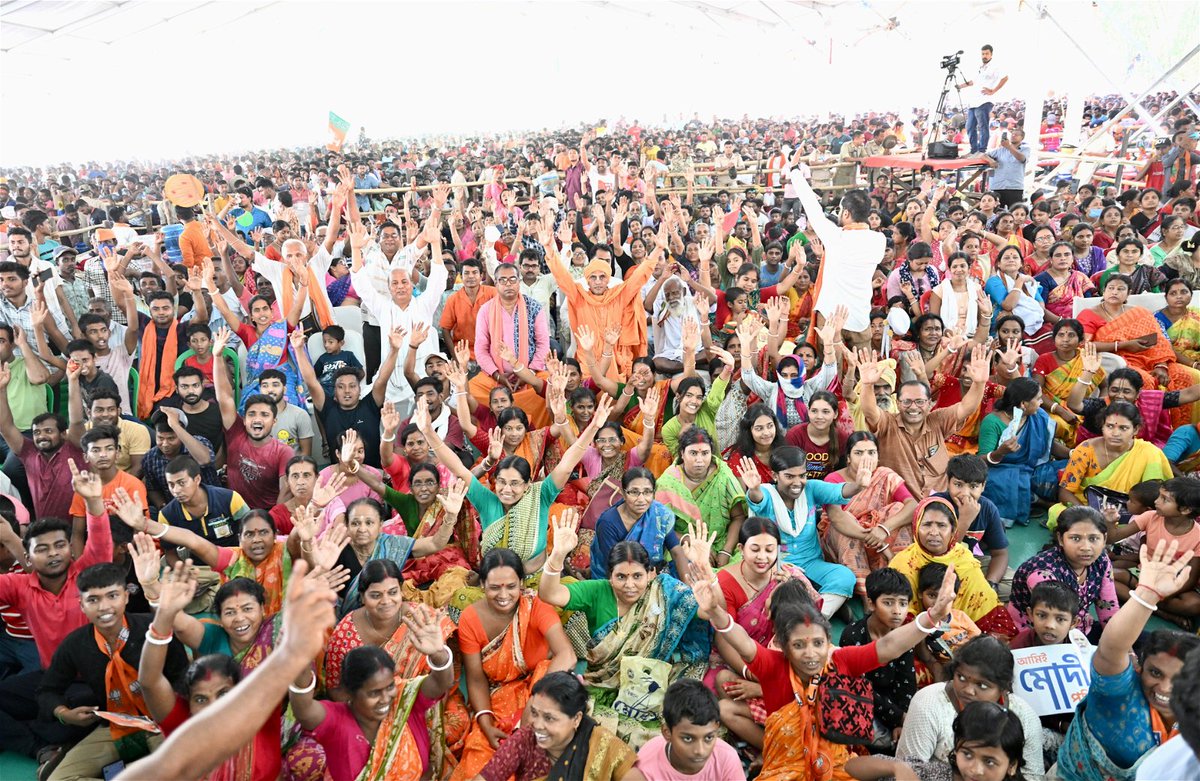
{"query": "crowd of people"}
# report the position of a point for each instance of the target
(559, 458)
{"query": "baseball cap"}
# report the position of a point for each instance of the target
(63, 250)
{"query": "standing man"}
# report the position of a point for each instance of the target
(1008, 164)
(987, 83)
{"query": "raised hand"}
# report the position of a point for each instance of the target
(396, 337)
(700, 542)
(349, 442)
(945, 597)
(612, 335)
(748, 473)
(145, 556)
(506, 354)
(565, 535)
(462, 353)
(916, 364)
(87, 484)
(604, 407)
(178, 589)
(424, 629)
(304, 520)
(6, 375)
(308, 614)
(691, 335)
(586, 339)
(650, 403)
(223, 334)
(421, 414)
(981, 364)
(721, 354)
(452, 501)
(495, 444)
(389, 417)
(869, 370)
(457, 374)
(1091, 359)
(359, 236)
(328, 547)
(1165, 570)
(420, 330)
(129, 509)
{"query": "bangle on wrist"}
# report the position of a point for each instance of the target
(392, 438)
(307, 689)
(725, 552)
(483, 712)
(161, 532)
(437, 668)
(154, 640)
(1134, 596)
(917, 621)
(554, 573)
(728, 628)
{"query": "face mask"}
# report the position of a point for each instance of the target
(1094, 213)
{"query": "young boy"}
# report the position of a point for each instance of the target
(1173, 519)
(935, 653)
(985, 534)
(333, 339)
(1142, 498)
(1052, 610)
(104, 654)
(200, 341)
(888, 597)
(690, 746)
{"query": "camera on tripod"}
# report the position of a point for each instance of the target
(951, 61)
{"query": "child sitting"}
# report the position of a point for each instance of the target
(935, 653)
(1141, 500)
(1052, 609)
(888, 598)
(335, 357)
(1173, 519)
(690, 746)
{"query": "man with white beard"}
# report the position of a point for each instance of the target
(670, 310)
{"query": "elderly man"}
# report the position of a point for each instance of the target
(913, 441)
(512, 327)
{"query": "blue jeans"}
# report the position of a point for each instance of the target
(977, 126)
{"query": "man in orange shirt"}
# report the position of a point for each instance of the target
(462, 307)
(100, 447)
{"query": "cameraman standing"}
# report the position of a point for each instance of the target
(987, 83)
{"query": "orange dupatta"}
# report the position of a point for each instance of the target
(149, 368)
(792, 745)
(120, 682)
(316, 295)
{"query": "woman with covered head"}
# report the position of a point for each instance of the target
(937, 536)
(793, 746)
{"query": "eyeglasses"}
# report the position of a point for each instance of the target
(913, 402)
(506, 281)
(640, 493)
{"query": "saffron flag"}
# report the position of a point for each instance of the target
(338, 127)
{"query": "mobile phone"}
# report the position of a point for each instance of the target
(42, 277)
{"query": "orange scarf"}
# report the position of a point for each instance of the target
(497, 322)
(1159, 727)
(120, 682)
(793, 746)
(150, 367)
(316, 295)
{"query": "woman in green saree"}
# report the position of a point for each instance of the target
(647, 621)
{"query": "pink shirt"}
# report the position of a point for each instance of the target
(347, 749)
(723, 764)
(483, 340)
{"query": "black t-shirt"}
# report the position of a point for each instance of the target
(895, 683)
(363, 418)
(205, 424)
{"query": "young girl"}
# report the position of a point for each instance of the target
(988, 741)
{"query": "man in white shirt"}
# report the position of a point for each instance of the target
(401, 308)
(852, 252)
(987, 83)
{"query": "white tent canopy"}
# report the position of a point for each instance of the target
(161, 79)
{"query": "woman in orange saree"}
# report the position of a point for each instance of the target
(884, 505)
(509, 640)
(1133, 333)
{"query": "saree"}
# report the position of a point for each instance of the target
(1082, 757)
(442, 572)
(793, 748)
(1143, 461)
(388, 546)
(650, 530)
(1184, 333)
(948, 391)
(396, 757)
(712, 500)
(532, 449)
(870, 507)
(1060, 378)
(271, 573)
(273, 351)
(510, 678)
(1022, 477)
(662, 625)
(1135, 323)
(631, 420)
(1060, 296)
(975, 597)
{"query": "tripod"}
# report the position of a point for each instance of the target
(940, 111)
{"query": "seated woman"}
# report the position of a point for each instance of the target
(792, 389)
(633, 613)
(1063, 283)
(1134, 334)
(636, 517)
(959, 299)
(260, 556)
(981, 671)
(517, 514)
(1077, 557)
(793, 747)
(700, 486)
(823, 444)
(1180, 321)
(988, 738)
(352, 470)
(1058, 372)
(561, 740)
(1089, 257)
(413, 449)
(757, 437)
(1016, 293)
(1038, 261)
(1127, 711)
(207, 679)
(1104, 468)
(383, 725)
(937, 534)
(509, 640)
(516, 441)
(883, 509)
(694, 407)
(1139, 277)
(1172, 230)
(754, 589)
(629, 396)
(1017, 441)
(1184, 265)
(1125, 384)
(1010, 332)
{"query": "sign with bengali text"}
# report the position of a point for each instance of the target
(1051, 678)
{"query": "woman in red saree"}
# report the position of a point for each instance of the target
(883, 509)
(509, 640)
(758, 435)
(1133, 333)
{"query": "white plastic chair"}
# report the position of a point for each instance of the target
(348, 317)
(354, 343)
